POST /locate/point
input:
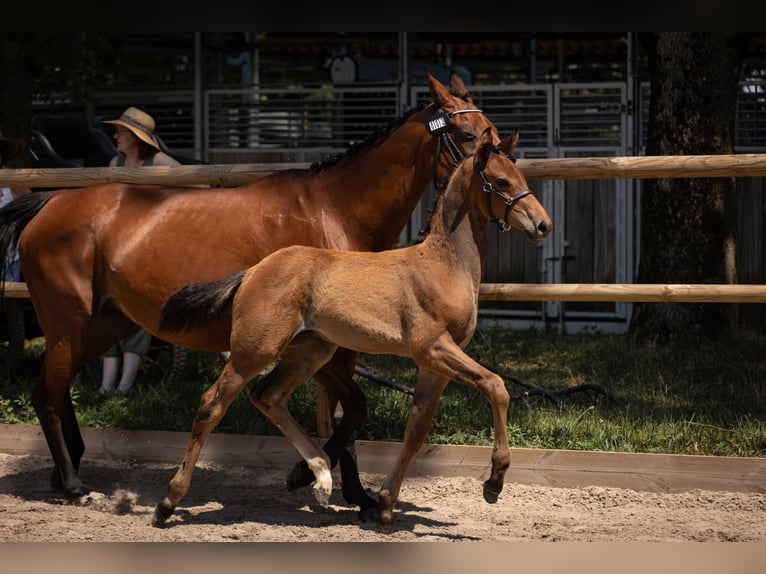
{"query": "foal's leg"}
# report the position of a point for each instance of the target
(450, 362)
(305, 354)
(428, 390)
(214, 403)
(340, 447)
(447, 358)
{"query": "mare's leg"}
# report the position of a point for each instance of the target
(340, 447)
(428, 390)
(302, 358)
(52, 402)
(214, 403)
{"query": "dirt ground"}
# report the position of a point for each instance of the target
(246, 504)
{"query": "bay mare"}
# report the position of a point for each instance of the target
(102, 259)
(302, 303)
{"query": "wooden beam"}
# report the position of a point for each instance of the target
(645, 167)
(14, 290)
(635, 167)
(547, 467)
(623, 292)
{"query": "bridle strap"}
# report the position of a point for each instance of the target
(490, 190)
(451, 147)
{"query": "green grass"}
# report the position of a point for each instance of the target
(692, 396)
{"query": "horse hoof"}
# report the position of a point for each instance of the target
(359, 497)
(491, 493)
(385, 527)
(299, 477)
(161, 516)
(322, 496)
(369, 514)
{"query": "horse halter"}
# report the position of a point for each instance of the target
(508, 201)
(439, 125)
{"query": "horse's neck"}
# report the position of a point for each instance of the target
(457, 228)
(382, 186)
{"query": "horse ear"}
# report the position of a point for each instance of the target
(509, 144)
(439, 93)
(484, 148)
(457, 87)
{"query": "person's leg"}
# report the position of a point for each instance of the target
(110, 366)
(135, 348)
(131, 364)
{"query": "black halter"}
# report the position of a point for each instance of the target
(439, 125)
(509, 201)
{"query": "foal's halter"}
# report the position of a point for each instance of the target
(508, 201)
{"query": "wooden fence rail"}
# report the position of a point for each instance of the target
(634, 167)
(616, 292)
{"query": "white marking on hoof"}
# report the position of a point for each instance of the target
(322, 482)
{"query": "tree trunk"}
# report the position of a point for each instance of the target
(688, 225)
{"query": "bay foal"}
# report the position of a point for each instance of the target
(302, 303)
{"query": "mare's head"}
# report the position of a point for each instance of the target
(456, 123)
(506, 197)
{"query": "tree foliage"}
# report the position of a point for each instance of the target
(43, 67)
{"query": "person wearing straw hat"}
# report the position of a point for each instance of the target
(136, 142)
(10, 149)
(136, 146)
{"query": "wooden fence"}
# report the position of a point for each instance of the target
(626, 292)
(631, 167)
(636, 167)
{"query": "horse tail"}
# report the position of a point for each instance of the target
(14, 217)
(195, 305)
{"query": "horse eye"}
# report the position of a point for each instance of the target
(467, 136)
(502, 183)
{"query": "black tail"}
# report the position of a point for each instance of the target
(14, 217)
(196, 305)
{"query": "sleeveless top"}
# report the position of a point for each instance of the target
(5, 196)
(121, 160)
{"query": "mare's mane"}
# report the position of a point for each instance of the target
(374, 138)
(357, 147)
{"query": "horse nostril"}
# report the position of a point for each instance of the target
(543, 227)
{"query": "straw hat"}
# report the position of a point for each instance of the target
(140, 123)
(9, 149)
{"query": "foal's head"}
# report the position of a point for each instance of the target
(508, 201)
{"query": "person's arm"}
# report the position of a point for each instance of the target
(161, 158)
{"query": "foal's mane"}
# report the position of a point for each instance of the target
(375, 137)
(423, 233)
